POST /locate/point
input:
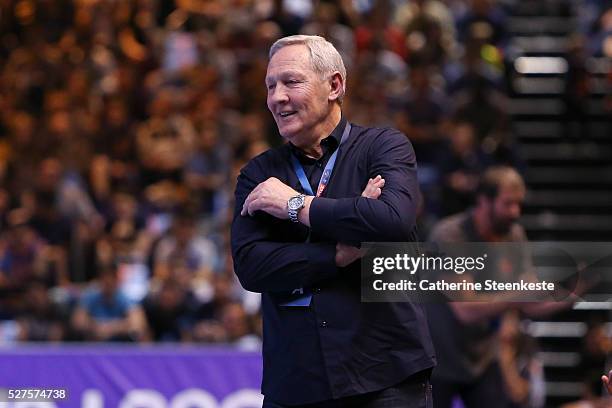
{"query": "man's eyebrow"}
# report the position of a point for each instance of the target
(285, 74)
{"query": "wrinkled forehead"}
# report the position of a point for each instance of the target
(293, 59)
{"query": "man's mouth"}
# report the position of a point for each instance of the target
(286, 114)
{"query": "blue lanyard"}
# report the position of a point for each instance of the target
(327, 171)
(303, 296)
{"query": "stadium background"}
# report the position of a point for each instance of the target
(123, 124)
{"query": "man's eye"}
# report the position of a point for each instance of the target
(271, 86)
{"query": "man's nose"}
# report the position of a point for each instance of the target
(278, 94)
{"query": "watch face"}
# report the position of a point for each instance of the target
(295, 203)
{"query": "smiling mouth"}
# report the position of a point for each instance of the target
(286, 114)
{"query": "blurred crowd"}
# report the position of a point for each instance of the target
(124, 123)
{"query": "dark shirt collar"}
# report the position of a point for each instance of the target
(339, 130)
(329, 144)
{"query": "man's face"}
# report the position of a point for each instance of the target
(505, 209)
(297, 95)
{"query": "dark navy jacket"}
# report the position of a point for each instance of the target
(337, 346)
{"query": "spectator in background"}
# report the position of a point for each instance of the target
(40, 319)
(483, 21)
(230, 325)
(325, 23)
(236, 326)
(380, 78)
(125, 232)
(377, 24)
(223, 295)
(165, 141)
(46, 218)
(430, 31)
(461, 162)
(208, 327)
(170, 311)
(105, 314)
(289, 23)
(206, 172)
(25, 256)
(521, 369)
(114, 164)
(184, 255)
(577, 89)
(486, 110)
(253, 138)
(384, 67)
(471, 71)
(21, 161)
(600, 43)
(424, 114)
(465, 334)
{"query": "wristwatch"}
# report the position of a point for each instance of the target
(294, 205)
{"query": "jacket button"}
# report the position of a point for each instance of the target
(324, 323)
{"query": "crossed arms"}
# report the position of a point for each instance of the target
(264, 264)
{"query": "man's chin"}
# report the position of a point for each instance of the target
(288, 132)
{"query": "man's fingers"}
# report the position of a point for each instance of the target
(377, 181)
(250, 197)
(255, 205)
(374, 188)
(244, 207)
(246, 204)
(254, 195)
(379, 184)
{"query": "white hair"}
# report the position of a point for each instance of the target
(324, 57)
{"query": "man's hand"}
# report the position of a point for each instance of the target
(607, 381)
(270, 196)
(374, 188)
(347, 254)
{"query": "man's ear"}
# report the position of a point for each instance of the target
(336, 86)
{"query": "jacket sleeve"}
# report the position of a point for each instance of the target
(265, 265)
(390, 218)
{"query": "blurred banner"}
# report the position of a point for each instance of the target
(100, 376)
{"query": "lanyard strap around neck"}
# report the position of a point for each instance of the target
(327, 171)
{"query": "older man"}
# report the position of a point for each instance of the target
(299, 214)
